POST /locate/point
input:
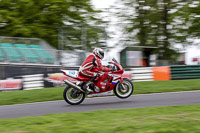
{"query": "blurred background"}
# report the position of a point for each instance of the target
(38, 38)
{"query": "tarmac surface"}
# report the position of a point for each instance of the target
(101, 103)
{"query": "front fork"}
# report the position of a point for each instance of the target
(121, 85)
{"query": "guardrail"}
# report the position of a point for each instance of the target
(185, 72)
(163, 73)
(31, 82)
(142, 74)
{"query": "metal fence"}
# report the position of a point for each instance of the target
(59, 57)
(20, 40)
(185, 72)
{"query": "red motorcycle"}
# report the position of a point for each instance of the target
(108, 83)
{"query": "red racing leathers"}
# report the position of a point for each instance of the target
(91, 66)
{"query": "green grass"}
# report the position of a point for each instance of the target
(171, 119)
(29, 96)
(166, 86)
(49, 94)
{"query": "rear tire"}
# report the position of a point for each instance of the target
(124, 93)
(73, 96)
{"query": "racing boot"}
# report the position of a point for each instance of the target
(88, 86)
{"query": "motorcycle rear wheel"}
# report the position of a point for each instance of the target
(73, 96)
(126, 92)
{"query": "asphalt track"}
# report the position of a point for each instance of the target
(91, 104)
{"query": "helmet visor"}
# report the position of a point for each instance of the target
(102, 54)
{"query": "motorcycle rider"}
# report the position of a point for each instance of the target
(92, 66)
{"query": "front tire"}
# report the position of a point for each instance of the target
(127, 91)
(73, 96)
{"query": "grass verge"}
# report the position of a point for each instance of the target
(171, 119)
(49, 94)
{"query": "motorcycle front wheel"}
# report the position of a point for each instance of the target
(126, 91)
(73, 96)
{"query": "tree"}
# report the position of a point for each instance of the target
(82, 36)
(153, 23)
(42, 18)
(189, 26)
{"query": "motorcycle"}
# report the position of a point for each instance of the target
(107, 83)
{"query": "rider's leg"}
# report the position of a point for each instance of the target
(89, 84)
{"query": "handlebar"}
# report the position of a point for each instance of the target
(114, 63)
(119, 67)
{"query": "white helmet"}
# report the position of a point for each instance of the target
(99, 53)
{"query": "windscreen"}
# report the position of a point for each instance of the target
(115, 60)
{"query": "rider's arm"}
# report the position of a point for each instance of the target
(98, 65)
(105, 69)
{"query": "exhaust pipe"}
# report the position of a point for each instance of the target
(73, 85)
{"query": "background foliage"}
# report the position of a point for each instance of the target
(165, 24)
(43, 18)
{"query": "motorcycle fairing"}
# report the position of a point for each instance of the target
(70, 73)
(108, 81)
(74, 74)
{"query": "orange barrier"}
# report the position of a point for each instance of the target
(161, 73)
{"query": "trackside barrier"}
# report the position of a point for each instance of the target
(31, 82)
(142, 74)
(161, 73)
(10, 84)
(185, 72)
